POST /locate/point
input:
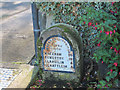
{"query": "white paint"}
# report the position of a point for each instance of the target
(57, 56)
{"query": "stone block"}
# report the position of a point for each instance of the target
(58, 45)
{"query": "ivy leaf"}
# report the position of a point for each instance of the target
(110, 65)
(114, 74)
(109, 85)
(81, 22)
(115, 58)
(103, 83)
(110, 51)
(108, 78)
(116, 33)
(108, 73)
(116, 40)
(115, 68)
(98, 86)
(111, 62)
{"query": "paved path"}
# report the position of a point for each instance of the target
(8, 9)
(17, 39)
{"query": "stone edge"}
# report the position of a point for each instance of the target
(26, 77)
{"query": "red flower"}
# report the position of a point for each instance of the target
(111, 11)
(93, 25)
(116, 52)
(115, 64)
(114, 26)
(84, 22)
(115, 11)
(89, 24)
(114, 31)
(115, 49)
(113, 3)
(102, 61)
(110, 32)
(110, 47)
(101, 31)
(39, 80)
(111, 70)
(107, 32)
(95, 28)
(96, 24)
(99, 44)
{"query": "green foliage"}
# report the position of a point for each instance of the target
(98, 24)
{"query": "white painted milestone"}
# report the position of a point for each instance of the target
(57, 55)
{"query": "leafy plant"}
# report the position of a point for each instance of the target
(38, 84)
(98, 24)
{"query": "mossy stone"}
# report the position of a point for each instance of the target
(75, 41)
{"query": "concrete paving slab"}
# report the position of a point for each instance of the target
(18, 78)
(26, 77)
(7, 76)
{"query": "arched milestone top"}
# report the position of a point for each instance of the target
(56, 37)
(66, 28)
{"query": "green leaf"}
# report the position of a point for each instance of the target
(114, 74)
(110, 51)
(115, 58)
(103, 83)
(110, 65)
(108, 73)
(116, 81)
(98, 86)
(37, 62)
(109, 85)
(116, 40)
(108, 78)
(115, 68)
(116, 33)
